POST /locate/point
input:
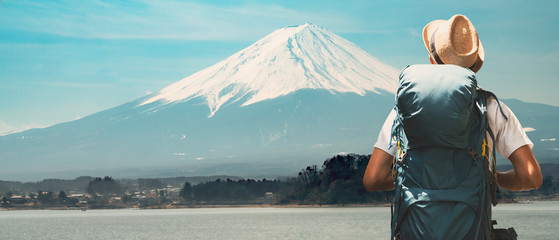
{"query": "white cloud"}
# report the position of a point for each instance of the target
(321, 145)
(548, 139)
(414, 32)
(6, 128)
(528, 129)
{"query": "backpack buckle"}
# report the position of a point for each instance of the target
(402, 156)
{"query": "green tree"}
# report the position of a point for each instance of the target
(46, 198)
(126, 198)
(62, 196)
(5, 201)
(186, 192)
(106, 185)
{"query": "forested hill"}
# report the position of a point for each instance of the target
(79, 184)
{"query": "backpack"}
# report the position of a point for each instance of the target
(442, 169)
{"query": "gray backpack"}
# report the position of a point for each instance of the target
(443, 168)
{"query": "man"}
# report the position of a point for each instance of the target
(455, 41)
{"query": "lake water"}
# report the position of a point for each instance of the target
(537, 220)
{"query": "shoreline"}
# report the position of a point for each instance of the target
(518, 200)
(200, 206)
(204, 206)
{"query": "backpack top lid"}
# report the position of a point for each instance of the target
(435, 103)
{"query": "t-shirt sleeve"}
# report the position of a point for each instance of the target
(383, 140)
(509, 134)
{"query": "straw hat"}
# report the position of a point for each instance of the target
(454, 41)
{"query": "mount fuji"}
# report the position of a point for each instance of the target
(292, 99)
(289, 59)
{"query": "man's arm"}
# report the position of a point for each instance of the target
(526, 174)
(378, 173)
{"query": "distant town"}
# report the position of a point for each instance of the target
(107, 192)
(337, 182)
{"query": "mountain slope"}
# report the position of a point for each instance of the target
(540, 123)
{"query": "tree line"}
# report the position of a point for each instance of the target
(337, 181)
(229, 191)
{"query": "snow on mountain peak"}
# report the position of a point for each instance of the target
(291, 58)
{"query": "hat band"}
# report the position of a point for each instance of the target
(433, 49)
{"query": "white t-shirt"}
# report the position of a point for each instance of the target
(509, 134)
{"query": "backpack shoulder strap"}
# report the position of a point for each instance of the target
(489, 152)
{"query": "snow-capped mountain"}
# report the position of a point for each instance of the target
(294, 98)
(289, 59)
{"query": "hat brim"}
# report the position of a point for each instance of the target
(430, 28)
(479, 60)
(428, 32)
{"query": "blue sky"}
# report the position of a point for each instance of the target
(62, 60)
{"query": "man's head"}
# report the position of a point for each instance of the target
(454, 41)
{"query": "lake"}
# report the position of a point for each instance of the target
(537, 220)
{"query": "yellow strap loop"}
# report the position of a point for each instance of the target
(399, 149)
(490, 158)
(483, 147)
(398, 153)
